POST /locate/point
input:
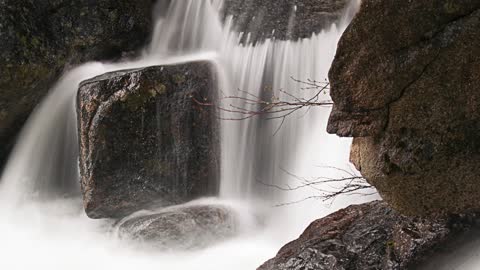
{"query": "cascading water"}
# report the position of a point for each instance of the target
(264, 146)
(44, 163)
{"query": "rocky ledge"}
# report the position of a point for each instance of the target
(369, 236)
(283, 19)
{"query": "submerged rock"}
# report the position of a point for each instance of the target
(405, 83)
(368, 236)
(181, 227)
(40, 39)
(145, 141)
(283, 19)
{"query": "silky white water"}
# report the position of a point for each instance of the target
(42, 224)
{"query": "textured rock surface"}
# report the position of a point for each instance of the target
(368, 236)
(39, 39)
(144, 141)
(283, 19)
(405, 82)
(459, 253)
(181, 228)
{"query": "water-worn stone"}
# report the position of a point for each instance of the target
(145, 140)
(40, 39)
(283, 19)
(181, 227)
(368, 236)
(405, 83)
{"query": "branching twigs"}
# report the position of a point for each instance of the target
(244, 105)
(328, 188)
(247, 105)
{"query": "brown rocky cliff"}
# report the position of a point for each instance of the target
(406, 84)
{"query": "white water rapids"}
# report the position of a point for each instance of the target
(42, 224)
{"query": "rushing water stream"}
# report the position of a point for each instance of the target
(42, 223)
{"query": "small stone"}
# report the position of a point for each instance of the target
(181, 227)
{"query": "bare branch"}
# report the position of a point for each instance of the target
(348, 185)
(275, 107)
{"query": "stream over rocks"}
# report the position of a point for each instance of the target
(41, 185)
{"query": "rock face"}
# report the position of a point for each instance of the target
(405, 83)
(368, 236)
(144, 141)
(41, 38)
(181, 228)
(283, 19)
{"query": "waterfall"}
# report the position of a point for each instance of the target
(186, 26)
(44, 162)
(255, 153)
(45, 157)
(256, 149)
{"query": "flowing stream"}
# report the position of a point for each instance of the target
(42, 224)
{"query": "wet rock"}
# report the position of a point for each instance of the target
(145, 140)
(460, 253)
(405, 85)
(283, 19)
(40, 39)
(368, 236)
(181, 227)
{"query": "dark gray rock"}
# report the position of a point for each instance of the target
(405, 83)
(368, 236)
(145, 141)
(40, 39)
(459, 253)
(283, 19)
(181, 227)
